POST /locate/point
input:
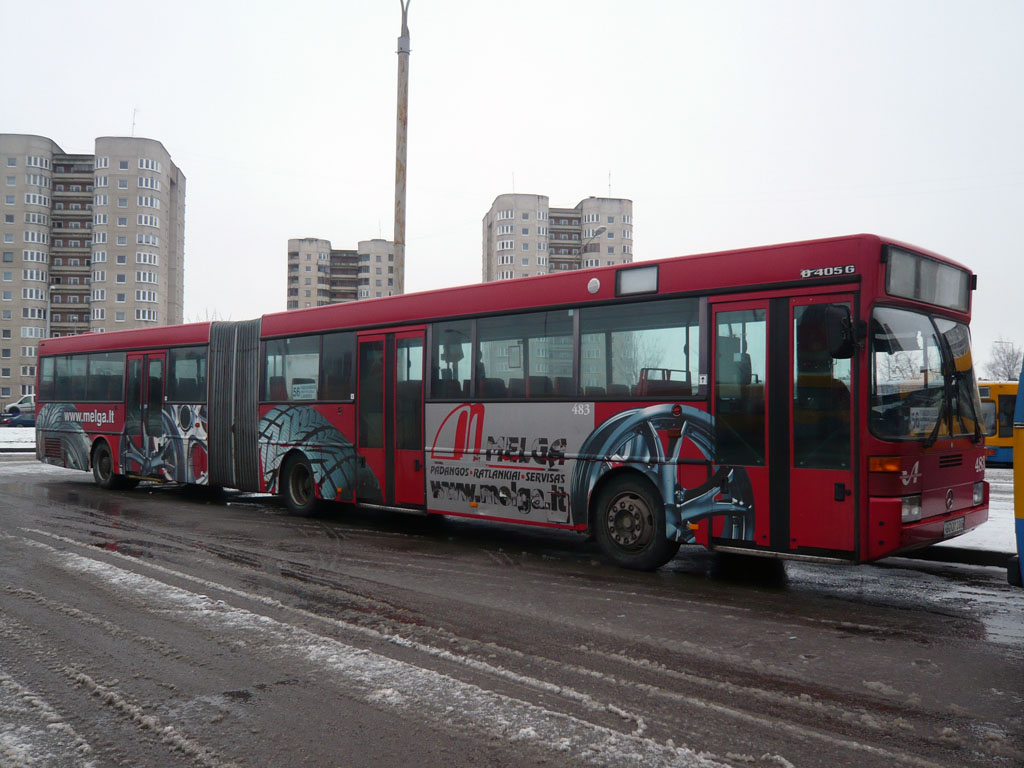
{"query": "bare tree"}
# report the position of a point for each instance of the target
(1006, 361)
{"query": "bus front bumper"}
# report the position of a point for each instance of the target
(889, 535)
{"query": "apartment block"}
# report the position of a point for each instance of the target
(91, 242)
(524, 235)
(319, 274)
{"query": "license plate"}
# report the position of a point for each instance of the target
(951, 527)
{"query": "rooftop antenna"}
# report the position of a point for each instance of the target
(609, 183)
(135, 111)
(513, 182)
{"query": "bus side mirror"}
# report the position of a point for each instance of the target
(839, 332)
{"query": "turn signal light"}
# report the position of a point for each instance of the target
(883, 463)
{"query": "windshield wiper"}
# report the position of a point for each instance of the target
(930, 440)
(959, 378)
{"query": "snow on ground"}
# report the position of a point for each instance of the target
(997, 535)
(17, 437)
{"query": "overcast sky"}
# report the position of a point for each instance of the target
(728, 124)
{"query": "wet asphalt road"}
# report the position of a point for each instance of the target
(158, 627)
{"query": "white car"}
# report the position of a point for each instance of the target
(27, 404)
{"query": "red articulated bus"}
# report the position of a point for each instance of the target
(812, 400)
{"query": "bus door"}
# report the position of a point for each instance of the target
(390, 416)
(782, 408)
(821, 481)
(142, 450)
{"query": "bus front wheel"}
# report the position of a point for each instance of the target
(103, 470)
(629, 524)
(299, 486)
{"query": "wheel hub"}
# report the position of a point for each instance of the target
(628, 521)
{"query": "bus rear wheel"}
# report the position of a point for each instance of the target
(299, 487)
(103, 470)
(629, 525)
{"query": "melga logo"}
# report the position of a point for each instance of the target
(460, 433)
(913, 476)
(99, 418)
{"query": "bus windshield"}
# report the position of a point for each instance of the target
(922, 384)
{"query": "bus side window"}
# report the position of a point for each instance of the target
(646, 349)
(47, 378)
(451, 362)
(293, 363)
(337, 367)
(186, 379)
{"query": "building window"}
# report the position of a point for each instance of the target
(122, 165)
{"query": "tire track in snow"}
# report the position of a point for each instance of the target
(32, 733)
(384, 681)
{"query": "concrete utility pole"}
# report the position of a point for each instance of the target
(400, 147)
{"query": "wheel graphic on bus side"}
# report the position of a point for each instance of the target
(329, 456)
(647, 477)
(160, 457)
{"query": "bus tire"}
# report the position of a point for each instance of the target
(299, 486)
(629, 524)
(103, 469)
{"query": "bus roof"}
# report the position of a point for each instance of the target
(759, 267)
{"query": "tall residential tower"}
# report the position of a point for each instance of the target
(319, 274)
(523, 235)
(91, 242)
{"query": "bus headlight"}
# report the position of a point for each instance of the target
(911, 508)
(979, 493)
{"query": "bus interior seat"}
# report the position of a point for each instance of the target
(494, 388)
(593, 391)
(277, 388)
(669, 388)
(726, 362)
(564, 387)
(409, 394)
(618, 390)
(115, 388)
(744, 364)
(188, 390)
(335, 387)
(446, 388)
(538, 386)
